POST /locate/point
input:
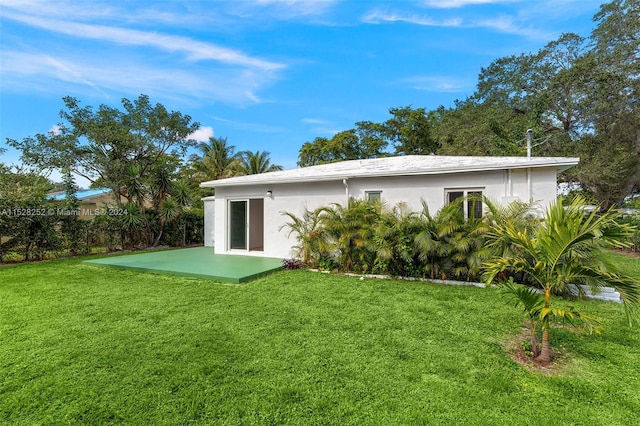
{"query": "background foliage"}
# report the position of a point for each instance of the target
(579, 95)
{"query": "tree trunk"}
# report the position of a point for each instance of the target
(155, 243)
(545, 352)
(633, 181)
(535, 349)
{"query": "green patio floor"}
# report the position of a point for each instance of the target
(199, 262)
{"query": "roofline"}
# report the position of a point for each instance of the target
(561, 166)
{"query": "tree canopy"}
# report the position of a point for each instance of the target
(110, 146)
(253, 163)
(408, 131)
(217, 160)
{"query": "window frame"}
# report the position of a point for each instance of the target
(368, 194)
(467, 205)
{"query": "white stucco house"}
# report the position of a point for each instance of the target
(245, 216)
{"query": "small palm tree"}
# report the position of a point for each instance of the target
(253, 163)
(533, 303)
(175, 197)
(449, 245)
(562, 251)
(348, 231)
(308, 228)
(131, 223)
(393, 241)
(519, 214)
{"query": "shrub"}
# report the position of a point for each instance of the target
(290, 264)
(367, 237)
(634, 220)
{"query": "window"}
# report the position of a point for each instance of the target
(471, 204)
(373, 196)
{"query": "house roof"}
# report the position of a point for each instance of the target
(408, 165)
(82, 194)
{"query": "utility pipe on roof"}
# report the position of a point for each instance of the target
(345, 182)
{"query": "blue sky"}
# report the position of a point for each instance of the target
(266, 74)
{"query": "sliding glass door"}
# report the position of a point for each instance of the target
(238, 225)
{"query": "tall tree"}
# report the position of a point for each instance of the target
(108, 145)
(582, 97)
(480, 128)
(613, 104)
(134, 151)
(409, 130)
(252, 163)
(217, 160)
(353, 144)
(546, 85)
(609, 159)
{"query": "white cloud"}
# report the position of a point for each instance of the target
(165, 13)
(105, 73)
(450, 4)
(193, 49)
(202, 134)
(438, 84)
(377, 17)
(508, 25)
(321, 126)
(306, 7)
(54, 130)
(503, 24)
(313, 121)
(285, 9)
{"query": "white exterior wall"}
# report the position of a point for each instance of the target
(285, 198)
(209, 221)
(545, 187)
(411, 190)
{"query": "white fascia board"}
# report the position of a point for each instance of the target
(283, 177)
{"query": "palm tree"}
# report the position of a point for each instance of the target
(348, 232)
(393, 241)
(253, 163)
(518, 214)
(134, 186)
(131, 224)
(308, 228)
(218, 160)
(171, 205)
(564, 250)
(450, 245)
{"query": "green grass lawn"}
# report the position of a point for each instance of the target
(628, 263)
(82, 344)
